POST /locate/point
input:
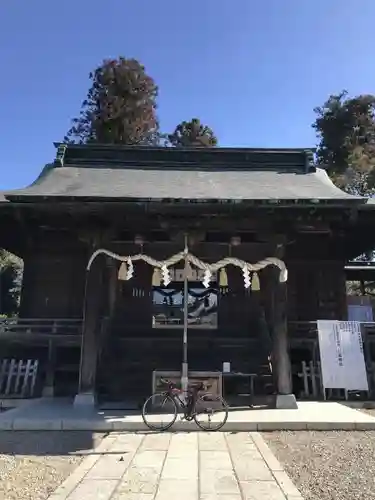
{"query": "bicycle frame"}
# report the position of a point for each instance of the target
(187, 407)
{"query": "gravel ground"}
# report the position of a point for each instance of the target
(327, 465)
(34, 464)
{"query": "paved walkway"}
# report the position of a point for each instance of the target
(60, 414)
(184, 466)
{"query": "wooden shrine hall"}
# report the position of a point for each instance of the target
(143, 262)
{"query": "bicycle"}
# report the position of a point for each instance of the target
(171, 402)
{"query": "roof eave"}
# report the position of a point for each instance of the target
(276, 202)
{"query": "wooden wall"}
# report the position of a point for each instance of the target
(53, 284)
(53, 287)
(316, 290)
(133, 348)
(238, 308)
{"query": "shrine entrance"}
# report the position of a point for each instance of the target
(186, 313)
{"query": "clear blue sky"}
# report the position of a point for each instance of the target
(251, 69)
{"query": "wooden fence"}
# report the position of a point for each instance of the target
(311, 376)
(313, 387)
(40, 326)
(18, 377)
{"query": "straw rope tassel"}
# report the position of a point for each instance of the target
(122, 272)
(255, 283)
(223, 277)
(156, 277)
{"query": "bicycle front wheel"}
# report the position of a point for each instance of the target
(159, 412)
(211, 412)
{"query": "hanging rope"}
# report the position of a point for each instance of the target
(127, 269)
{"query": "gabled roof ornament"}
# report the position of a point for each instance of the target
(310, 166)
(60, 154)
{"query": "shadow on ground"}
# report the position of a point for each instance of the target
(48, 443)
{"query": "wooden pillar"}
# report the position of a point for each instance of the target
(113, 287)
(92, 317)
(280, 345)
(281, 358)
(48, 389)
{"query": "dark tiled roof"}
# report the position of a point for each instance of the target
(153, 173)
(182, 184)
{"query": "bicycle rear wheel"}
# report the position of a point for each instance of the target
(159, 412)
(211, 412)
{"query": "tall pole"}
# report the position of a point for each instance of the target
(184, 372)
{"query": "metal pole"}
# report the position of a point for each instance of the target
(184, 372)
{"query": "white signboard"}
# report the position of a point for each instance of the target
(354, 361)
(226, 366)
(331, 358)
(341, 354)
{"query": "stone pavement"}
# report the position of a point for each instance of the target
(60, 414)
(183, 466)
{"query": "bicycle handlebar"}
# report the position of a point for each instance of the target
(165, 381)
(204, 385)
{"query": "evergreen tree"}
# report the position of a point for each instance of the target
(192, 133)
(10, 283)
(345, 127)
(120, 107)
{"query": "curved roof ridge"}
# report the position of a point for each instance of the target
(325, 178)
(121, 156)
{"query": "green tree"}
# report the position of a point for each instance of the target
(345, 127)
(10, 283)
(120, 107)
(192, 134)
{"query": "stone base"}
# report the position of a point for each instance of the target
(286, 402)
(48, 391)
(85, 400)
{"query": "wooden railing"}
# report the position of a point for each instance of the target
(40, 326)
(302, 329)
(308, 329)
(72, 326)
